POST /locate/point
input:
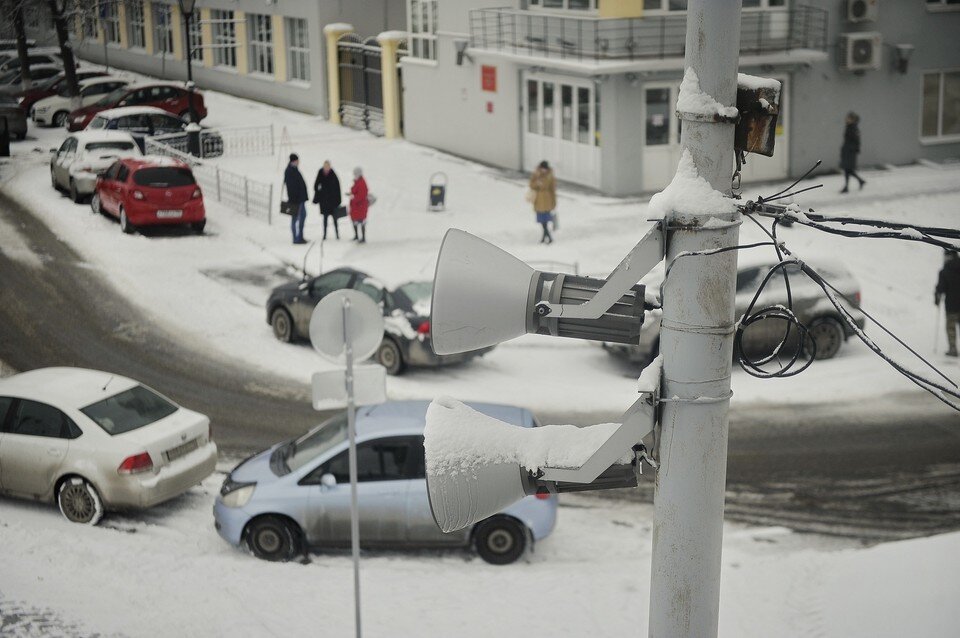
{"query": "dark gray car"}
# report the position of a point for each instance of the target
(406, 314)
(16, 119)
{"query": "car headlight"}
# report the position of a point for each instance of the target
(234, 494)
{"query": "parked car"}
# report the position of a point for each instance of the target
(150, 191)
(406, 313)
(810, 305)
(81, 158)
(296, 495)
(16, 118)
(95, 441)
(12, 79)
(148, 121)
(54, 110)
(50, 86)
(35, 56)
(7, 45)
(169, 97)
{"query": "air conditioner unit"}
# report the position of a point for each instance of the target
(860, 51)
(863, 10)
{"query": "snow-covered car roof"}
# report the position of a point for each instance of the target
(101, 79)
(65, 387)
(410, 416)
(102, 135)
(121, 111)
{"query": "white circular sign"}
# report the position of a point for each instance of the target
(364, 326)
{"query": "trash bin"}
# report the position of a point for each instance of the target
(438, 192)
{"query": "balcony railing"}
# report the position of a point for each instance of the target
(591, 39)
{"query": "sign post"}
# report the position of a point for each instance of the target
(347, 326)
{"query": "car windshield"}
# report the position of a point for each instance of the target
(108, 146)
(112, 97)
(415, 296)
(10, 76)
(164, 177)
(129, 410)
(293, 455)
(48, 84)
(97, 123)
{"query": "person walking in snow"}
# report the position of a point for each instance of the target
(850, 150)
(948, 289)
(543, 190)
(326, 193)
(359, 202)
(296, 195)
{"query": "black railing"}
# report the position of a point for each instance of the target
(595, 39)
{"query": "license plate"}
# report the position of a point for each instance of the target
(181, 450)
(164, 214)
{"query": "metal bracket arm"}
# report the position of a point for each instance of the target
(648, 252)
(637, 422)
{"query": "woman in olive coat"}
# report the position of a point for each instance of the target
(543, 186)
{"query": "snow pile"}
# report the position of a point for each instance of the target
(692, 100)
(690, 194)
(335, 27)
(459, 439)
(753, 82)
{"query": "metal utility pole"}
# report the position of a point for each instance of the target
(696, 340)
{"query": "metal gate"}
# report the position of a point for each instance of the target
(361, 88)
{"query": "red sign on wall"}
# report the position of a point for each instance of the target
(488, 78)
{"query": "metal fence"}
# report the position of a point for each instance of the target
(582, 38)
(249, 196)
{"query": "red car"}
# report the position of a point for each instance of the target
(150, 191)
(26, 99)
(169, 97)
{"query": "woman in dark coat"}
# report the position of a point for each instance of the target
(850, 150)
(326, 192)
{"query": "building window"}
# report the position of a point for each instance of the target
(224, 38)
(940, 118)
(422, 18)
(196, 38)
(943, 5)
(664, 5)
(110, 14)
(298, 49)
(90, 27)
(261, 44)
(564, 5)
(136, 24)
(162, 28)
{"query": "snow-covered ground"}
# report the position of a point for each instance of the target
(211, 289)
(167, 572)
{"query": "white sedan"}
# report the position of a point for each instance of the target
(53, 110)
(75, 165)
(93, 441)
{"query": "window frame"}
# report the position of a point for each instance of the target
(195, 36)
(68, 428)
(939, 138)
(941, 6)
(261, 49)
(162, 30)
(314, 476)
(591, 10)
(422, 41)
(224, 35)
(298, 49)
(136, 25)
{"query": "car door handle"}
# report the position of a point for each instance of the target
(53, 451)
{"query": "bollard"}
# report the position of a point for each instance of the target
(5, 138)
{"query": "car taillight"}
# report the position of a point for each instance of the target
(137, 195)
(136, 464)
(196, 193)
(424, 328)
(542, 494)
(856, 297)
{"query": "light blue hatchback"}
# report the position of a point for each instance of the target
(296, 495)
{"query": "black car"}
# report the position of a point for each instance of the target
(406, 314)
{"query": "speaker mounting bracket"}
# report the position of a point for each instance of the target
(648, 252)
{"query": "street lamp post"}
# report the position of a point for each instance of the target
(193, 131)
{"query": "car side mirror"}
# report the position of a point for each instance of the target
(328, 480)
(304, 285)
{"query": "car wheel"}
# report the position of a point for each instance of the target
(60, 119)
(125, 224)
(390, 357)
(282, 325)
(199, 226)
(273, 538)
(95, 203)
(74, 193)
(79, 501)
(500, 540)
(828, 334)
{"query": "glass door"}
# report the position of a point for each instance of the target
(661, 144)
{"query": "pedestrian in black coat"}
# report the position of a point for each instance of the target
(850, 150)
(297, 195)
(948, 289)
(326, 193)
